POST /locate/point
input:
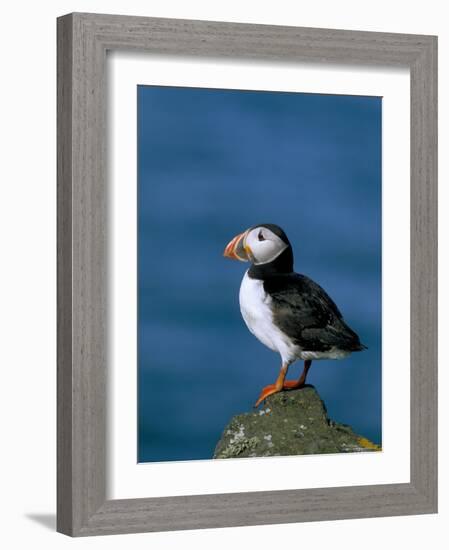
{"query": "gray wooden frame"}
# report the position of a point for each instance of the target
(83, 40)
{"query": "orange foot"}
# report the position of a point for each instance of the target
(292, 384)
(283, 384)
(267, 390)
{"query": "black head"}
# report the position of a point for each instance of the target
(266, 246)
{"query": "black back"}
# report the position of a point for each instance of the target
(305, 312)
(301, 308)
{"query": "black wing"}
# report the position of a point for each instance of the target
(305, 312)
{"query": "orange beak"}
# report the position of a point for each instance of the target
(236, 249)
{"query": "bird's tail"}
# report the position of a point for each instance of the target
(360, 347)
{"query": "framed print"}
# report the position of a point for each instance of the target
(304, 131)
(310, 156)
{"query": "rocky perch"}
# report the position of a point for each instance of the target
(290, 423)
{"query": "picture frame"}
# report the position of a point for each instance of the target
(83, 40)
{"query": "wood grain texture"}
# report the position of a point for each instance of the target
(83, 40)
(424, 251)
(64, 277)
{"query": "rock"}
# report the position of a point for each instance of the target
(290, 423)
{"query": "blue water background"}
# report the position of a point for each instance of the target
(210, 164)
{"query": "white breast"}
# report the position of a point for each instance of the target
(256, 312)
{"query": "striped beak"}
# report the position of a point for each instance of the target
(236, 249)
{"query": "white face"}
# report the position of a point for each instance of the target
(264, 245)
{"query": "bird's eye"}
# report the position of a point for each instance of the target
(260, 236)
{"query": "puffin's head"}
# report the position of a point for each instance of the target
(260, 244)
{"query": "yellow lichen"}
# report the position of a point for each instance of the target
(367, 444)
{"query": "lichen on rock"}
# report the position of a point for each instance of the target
(291, 423)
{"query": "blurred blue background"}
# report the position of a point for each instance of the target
(211, 163)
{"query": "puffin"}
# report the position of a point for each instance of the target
(288, 312)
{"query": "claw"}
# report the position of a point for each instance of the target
(267, 391)
(282, 384)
